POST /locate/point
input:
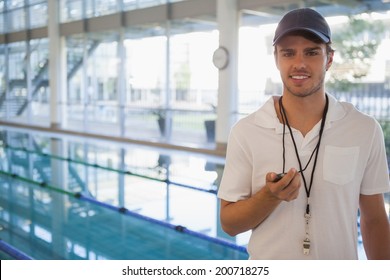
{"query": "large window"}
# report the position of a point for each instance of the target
(16, 15)
(194, 86)
(146, 86)
(17, 80)
(71, 10)
(75, 46)
(102, 78)
(258, 76)
(24, 82)
(3, 80)
(79, 9)
(92, 63)
(39, 82)
(152, 82)
(38, 13)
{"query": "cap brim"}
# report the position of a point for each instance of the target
(321, 36)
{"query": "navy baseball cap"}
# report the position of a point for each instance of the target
(304, 19)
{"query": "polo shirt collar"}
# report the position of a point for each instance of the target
(266, 116)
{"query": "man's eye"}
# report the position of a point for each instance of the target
(312, 53)
(288, 54)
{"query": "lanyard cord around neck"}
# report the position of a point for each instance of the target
(316, 149)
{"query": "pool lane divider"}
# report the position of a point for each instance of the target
(95, 165)
(13, 252)
(125, 211)
(177, 228)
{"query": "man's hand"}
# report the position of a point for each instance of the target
(285, 188)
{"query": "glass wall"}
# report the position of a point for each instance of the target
(139, 4)
(101, 82)
(2, 17)
(16, 15)
(37, 11)
(146, 85)
(24, 82)
(193, 84)
(39, 86)
(72, 10)
(79, 9)
(16, 99)
(3, 80)
(158, 78)
(92, 70)
(258, 75)
(75, 46)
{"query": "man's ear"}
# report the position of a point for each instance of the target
(329, 60)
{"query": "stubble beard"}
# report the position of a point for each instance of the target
(305, 93)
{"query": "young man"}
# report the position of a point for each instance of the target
(300, 169)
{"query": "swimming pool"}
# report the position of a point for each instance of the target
(78, 199)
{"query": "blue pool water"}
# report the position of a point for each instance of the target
(49, 225)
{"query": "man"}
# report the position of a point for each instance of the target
(300, 169)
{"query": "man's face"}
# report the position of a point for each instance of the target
(302, 65)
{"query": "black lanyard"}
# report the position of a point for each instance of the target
(315, 151)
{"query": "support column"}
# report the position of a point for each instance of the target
(228, 26)
(121, 83)
(57, 68)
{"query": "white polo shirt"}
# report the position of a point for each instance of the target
(351, 161)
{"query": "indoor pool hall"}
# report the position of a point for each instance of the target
(150, 129)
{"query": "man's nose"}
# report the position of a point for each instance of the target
(299, 62)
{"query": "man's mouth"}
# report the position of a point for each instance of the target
(299, 77)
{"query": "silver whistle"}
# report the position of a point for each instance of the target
(306, 246)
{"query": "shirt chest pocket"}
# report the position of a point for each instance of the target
(340, 164)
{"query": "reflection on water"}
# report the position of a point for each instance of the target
(51, 225)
